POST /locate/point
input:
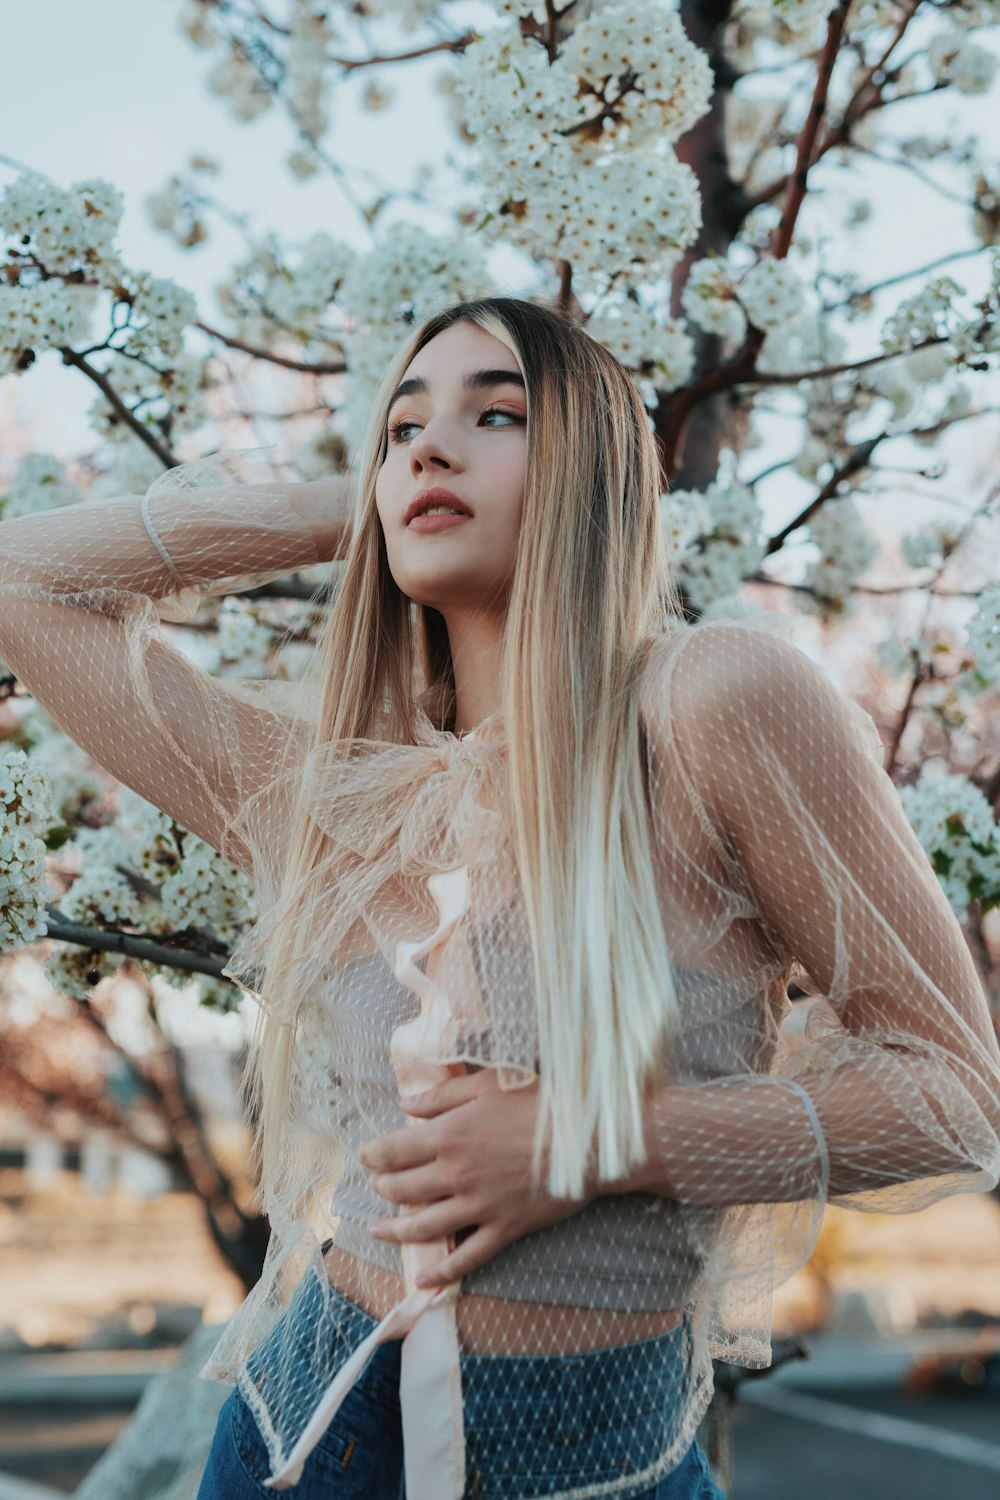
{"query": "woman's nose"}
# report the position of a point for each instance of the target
(430, 449)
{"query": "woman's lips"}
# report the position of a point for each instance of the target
(436, 523)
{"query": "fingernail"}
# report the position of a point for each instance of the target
(411, 1101)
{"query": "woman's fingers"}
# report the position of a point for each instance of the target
(449, 1094)
(413, 1146)
(472, 1253)
(435, 1222)
(421, 1184)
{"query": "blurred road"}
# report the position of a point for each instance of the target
(860, 1444)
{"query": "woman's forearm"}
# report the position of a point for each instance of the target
(208, 534)
(873, 1122)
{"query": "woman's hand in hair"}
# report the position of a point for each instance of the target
(465, 1159)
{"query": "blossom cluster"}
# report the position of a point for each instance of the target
(305, 80)
(635, 65)
(271, 296)
(576, 150)
(929, 314)
(39, 482)
(710, 300)
(75, 786)
(158, 313)
(64, 262)
(142, 871)
(172, 395)
(786, 20)
(983, 636)
(39, 316)
(956, 828)
(25, 817)
(846, 550)
(244, 640)
(906, 377)
(728, 546)
(658, 351)
(391, 290)
(928, 547)
(65, 229)
(771, 294)
(955, 59)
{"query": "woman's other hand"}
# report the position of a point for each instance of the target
(466, 1161)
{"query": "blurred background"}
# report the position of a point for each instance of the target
(257, 149)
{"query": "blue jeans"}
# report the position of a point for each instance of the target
(360, 1456)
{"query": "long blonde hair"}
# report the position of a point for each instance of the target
(590, 590)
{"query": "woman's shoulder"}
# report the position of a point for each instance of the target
(700, 668)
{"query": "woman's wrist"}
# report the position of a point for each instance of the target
(327, 507)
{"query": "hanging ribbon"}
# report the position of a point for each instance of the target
(430, 1389)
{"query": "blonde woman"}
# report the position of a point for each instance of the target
(536, 861)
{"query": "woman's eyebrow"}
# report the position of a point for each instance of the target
(472, 380)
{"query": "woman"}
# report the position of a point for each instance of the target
(535, 862)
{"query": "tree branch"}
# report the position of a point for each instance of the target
(111, 396)
(918, 677)
(305, 367)
(765, 377)
(63, 930)
(453, 44)
(879, 286)
(798, 181)
(855, 110)
(856, 460)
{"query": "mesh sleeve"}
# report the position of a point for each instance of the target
(895, 1100)
(83, 593)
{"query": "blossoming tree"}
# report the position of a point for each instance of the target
(685, 179)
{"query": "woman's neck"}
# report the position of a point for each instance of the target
(476, 641)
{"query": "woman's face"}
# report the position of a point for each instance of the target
(457, 429)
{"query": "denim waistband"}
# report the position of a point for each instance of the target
(646, 1375)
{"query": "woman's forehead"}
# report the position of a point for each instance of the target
(454, 349)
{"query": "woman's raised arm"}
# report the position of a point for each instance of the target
(82, 590)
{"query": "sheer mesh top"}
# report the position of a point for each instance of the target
(782, 852)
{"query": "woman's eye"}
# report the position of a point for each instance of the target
(508, 416)
(400, 430)
(397, 430)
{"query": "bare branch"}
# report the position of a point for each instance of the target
(879, 286)
(855, 461)
(305, 367)
(453, 44)
(63, 930)
(793, 377)
(798, 181)
(111, 396)
(904, 163)
(856, 109)
(918, 676)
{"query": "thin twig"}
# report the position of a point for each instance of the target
(304, 367)
(798, 181)
(856, 460)
(879, 286)
(452, 44)
(111, 396)
(792, 377)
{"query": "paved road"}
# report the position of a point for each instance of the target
(859, 1444)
